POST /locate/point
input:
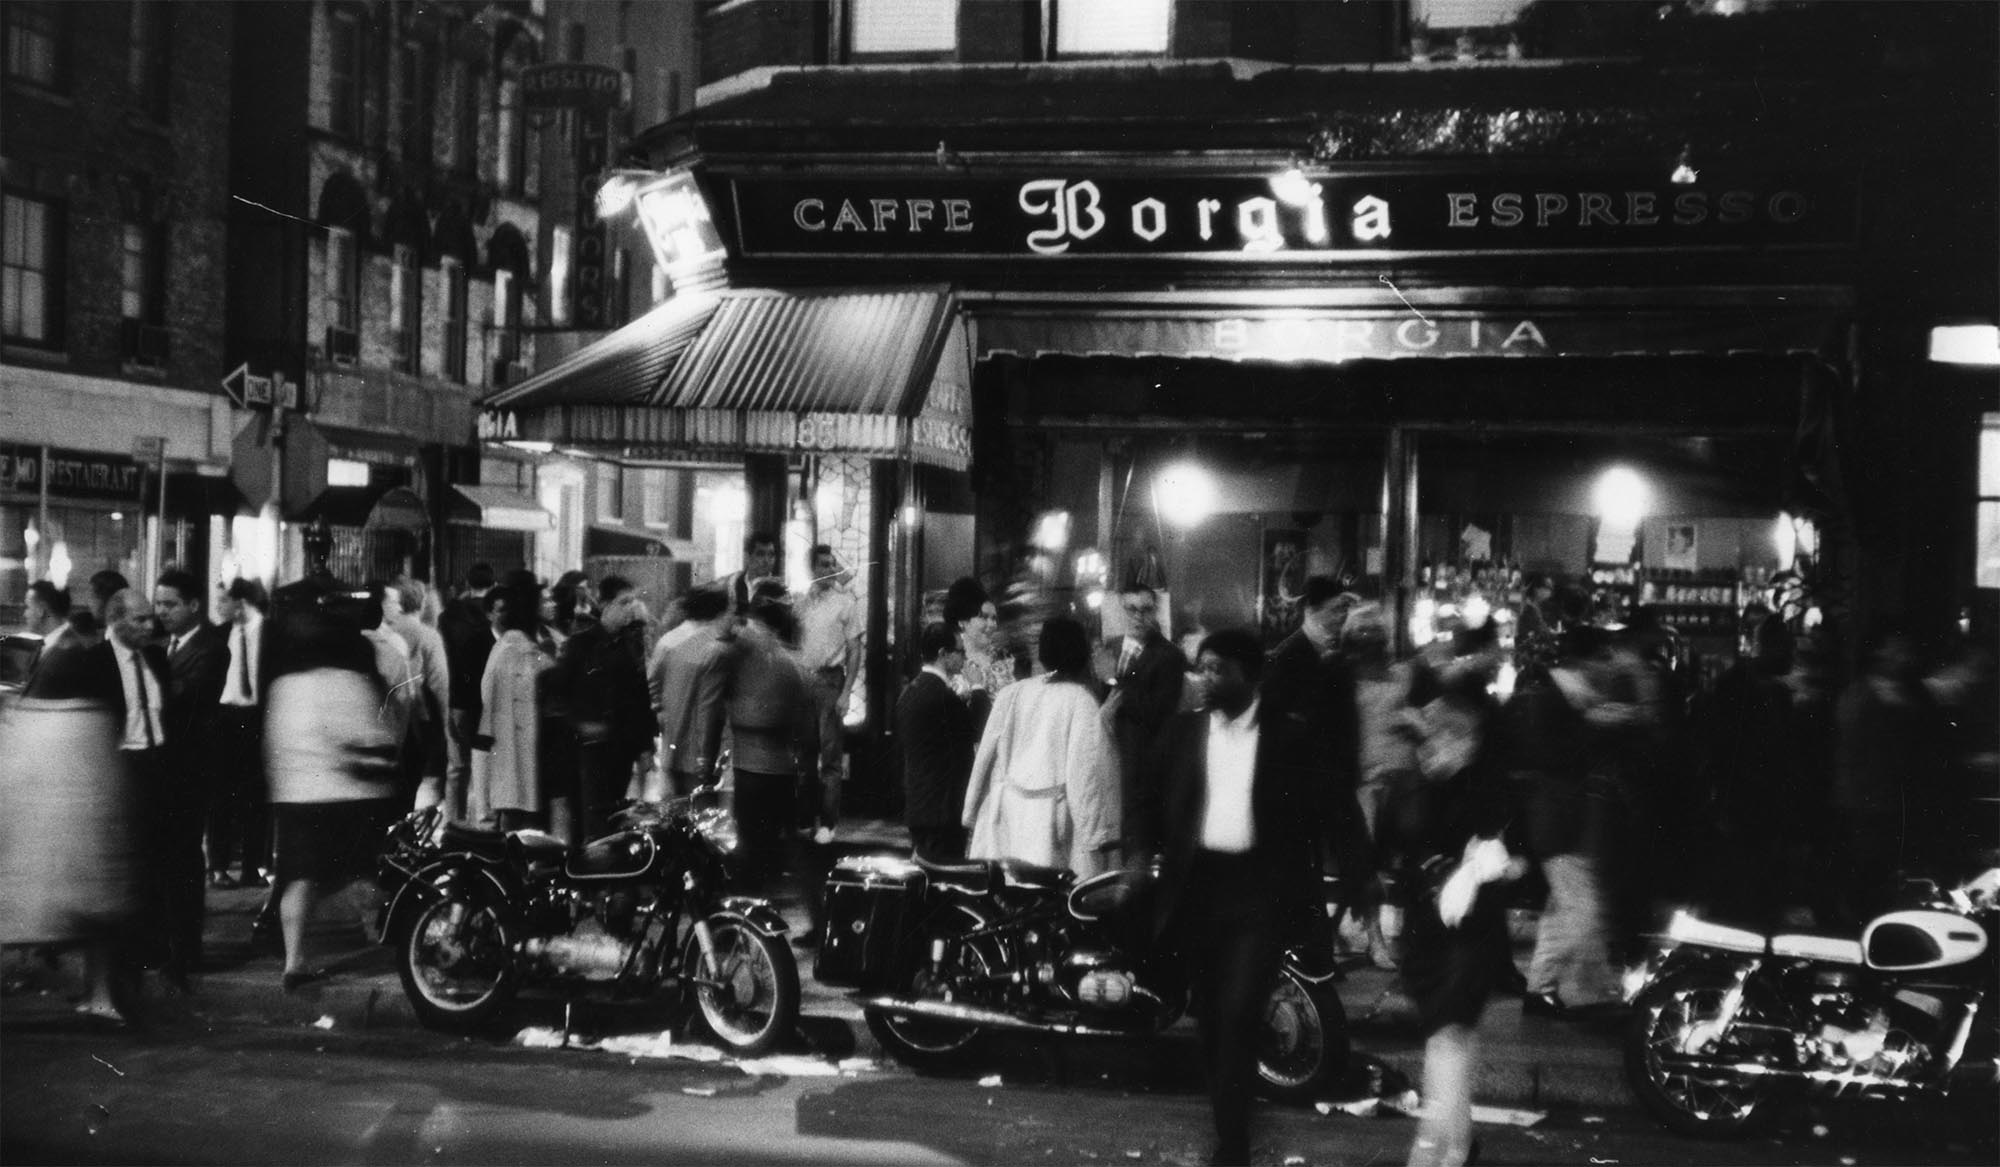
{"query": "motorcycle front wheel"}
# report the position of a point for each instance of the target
(925, 1043)
(748, 995)
(1302, 1045)
(1674, 1021)
(455, 964)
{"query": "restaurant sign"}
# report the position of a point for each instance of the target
(1346, 216)
(70, 473)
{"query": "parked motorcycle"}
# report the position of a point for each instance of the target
(942, 955)
(1730, 1021)
(476, 916)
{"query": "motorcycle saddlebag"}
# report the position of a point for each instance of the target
(869, 901)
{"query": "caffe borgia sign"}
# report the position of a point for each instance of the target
(1336, 215)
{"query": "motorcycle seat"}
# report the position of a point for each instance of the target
(473, 841)
(1035, 877)
(1794, 945)
(535, 847)
(976, 878)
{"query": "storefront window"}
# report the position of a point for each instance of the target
(902, 26)
(721, 508)
(1987, 565)
(1088, 28)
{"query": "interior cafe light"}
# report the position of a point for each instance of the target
(1185, 494)
(1966, 344)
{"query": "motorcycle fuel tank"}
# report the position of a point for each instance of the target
(1921, 938)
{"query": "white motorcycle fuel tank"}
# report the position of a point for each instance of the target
(1915, 939)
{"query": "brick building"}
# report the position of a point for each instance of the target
(115, 172)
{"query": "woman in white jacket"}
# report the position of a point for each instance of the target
(1044, 785)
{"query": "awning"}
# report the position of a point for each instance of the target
(622, 539)
(499, 508)
(369, 507)
(835, 371)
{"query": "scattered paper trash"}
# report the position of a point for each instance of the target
(325, 1021)
(860, 1065)
(1507, 1115)
(539, 1037)
(1595, 1159)
(789, 1066)
(1593, 1120)
(1135, 1154)
(1356, 1108)
(699, 1091)
(1295, 1161)
(1408, 1102)
(1819, 1130)
(1847, 1161)
(990, 1080)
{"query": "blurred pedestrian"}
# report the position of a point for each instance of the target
(330, 751)
(69, 871)
(1146, 690)
(1890, 761)
(508, 791)
(402, 683)
(1045, 786)
(176, 810)
(772, 724)
(601, 676)
(1244, 837)
(760, 561)
(1753, 753)
(830, 632)
(406, 610)
(688, 675)
(238, 817)
(938, 741)
(468, 640)
(1383, 692)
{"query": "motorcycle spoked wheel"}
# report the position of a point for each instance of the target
(1702, 1103)
(924, 1043)
(749, 998)
(455, 964)
(1302, 1046)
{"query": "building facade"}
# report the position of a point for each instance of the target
(115, 176)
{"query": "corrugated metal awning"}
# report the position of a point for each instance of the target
(500, 508)
(836, 371)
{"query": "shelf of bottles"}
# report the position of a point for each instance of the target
(1449, 597)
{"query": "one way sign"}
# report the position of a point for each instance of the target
(248, 390)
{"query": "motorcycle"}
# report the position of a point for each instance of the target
(941, 955)
(476, 916)
(1727, 1022)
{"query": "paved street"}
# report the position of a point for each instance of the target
(339, 1073)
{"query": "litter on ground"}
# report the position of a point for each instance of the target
(990, 1080)
(325, 1021)
(1507, 1115)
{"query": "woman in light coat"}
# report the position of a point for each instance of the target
(1045, 786)
(508, 787)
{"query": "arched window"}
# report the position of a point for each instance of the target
(514, 50)
(507, 255)
(343, 212)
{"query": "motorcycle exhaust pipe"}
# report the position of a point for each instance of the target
(987, 1018)
(1841, 1078)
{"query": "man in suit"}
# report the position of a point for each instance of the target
(936, 728)
(1146, 690)
(601, 676)
(142, 741)
(689, 676)
(238, 806)
(468, 641)
(177, 809)
(1243, 831)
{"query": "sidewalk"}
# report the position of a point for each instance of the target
(1532, 1062)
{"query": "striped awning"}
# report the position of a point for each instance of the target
(834, 371)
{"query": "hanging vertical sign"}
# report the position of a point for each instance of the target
(592, 154)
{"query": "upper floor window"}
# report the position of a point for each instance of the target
(406, 309)
(31, 276)
(413, 106)
(508, 162)
(1093, 28)
(465, 119)
(506, 316)
(455, 312)
(559, 258)
(344, 75)
(147, 70)
(35, 42)
(893, 27)
(343, 280)
(143, 293)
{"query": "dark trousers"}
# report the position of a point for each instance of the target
(1230, 936)
(603, 772)
(938, 844)
(173, 811)
(239, 811)
(766, 808)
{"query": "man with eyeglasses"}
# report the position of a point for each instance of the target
(1146, 690)
(938, 741)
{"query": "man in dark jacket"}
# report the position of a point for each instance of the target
(936, 728)
(1146, 690)
(601, 678)
(197, 663)
(468, 641)
(1244, 828)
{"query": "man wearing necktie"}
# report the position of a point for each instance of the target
(176, 808)
(142, 681)
(1146, 690)
(237, 809)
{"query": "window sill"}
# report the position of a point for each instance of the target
(40, 92)
(145, 369)
(28, 353)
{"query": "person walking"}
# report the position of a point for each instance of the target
(601, 677)
(402, 685)
(830, 631)
(238, 818)
(1245, 822)
(938, 741)
(468, 636)
(176, 810)
(330, 752)
(688, 675)
(1044, 787)
(69, 872)
(771, 726)
(507, 780)
(1890, 742)
(404, 611)
(1752, 750)
(1146, 690)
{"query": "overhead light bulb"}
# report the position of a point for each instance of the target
(1684, 173)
